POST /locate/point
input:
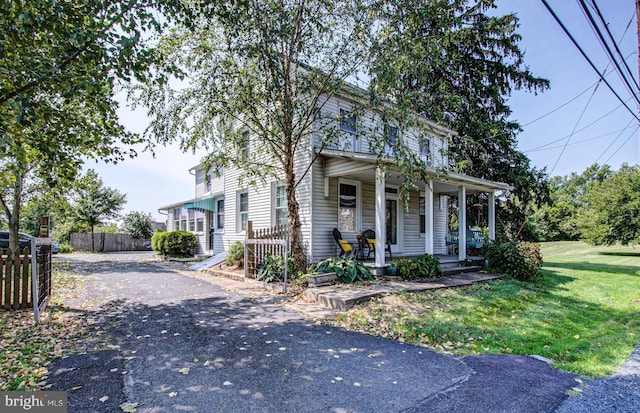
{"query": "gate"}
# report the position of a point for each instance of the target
(258, 243)
(25, 277)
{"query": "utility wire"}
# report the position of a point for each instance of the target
(561, 106)
(573, 40)
(574, 128)
(593, 138)
(579, 130)
(613, 141)
(615, 44)
(623, 143)
(607, 48)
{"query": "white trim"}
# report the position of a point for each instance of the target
(399, 218)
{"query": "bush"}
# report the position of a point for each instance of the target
(235, 255)
(425, 266)
(518, 259)
(66, 249)
(272, 268)
(347, 269)
(174, 244)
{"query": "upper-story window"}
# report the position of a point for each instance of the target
(425, 151)
(280, 210)
(390, 139)
(244, 146)
(348, 130)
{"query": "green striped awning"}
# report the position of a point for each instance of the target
(204, 204)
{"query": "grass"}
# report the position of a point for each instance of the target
(583, 312)
(27, 349)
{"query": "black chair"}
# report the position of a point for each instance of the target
(346, 249)
(369, 236)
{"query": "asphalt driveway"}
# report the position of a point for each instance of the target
(179, 343)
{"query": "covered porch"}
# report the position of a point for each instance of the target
(395, 222)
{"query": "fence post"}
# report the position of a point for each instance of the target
(34, 281)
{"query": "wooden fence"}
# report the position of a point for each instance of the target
(108, 242)
(16, 281)
(258, 243)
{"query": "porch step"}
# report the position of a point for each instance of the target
(459, 270)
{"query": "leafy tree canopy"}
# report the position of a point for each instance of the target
(94, 203)
(138, 224)
(61, 64)
(454, 62)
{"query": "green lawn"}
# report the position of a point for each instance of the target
(583, 312)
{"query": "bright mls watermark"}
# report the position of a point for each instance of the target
(33, 401)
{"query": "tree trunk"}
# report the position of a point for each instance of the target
(93, 242)
(14, 217)
(297, 251)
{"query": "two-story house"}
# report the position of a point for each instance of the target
(346, 188)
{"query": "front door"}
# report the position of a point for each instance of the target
(393, 222)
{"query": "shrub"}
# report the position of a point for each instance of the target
(272, 268)
(518, 259)
(157, 241)
(347, 269)
(66, 249)
(174, 244)
(235, 255)
(424, 266)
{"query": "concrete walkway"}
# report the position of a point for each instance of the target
(342, 297)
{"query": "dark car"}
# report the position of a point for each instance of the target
(24, 240)
(55, 247)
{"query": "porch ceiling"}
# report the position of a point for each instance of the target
(360, 166)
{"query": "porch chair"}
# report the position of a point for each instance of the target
(345, 247)
(369, 236)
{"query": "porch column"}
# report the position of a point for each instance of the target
(492, 216)
(428, 230)
(381, 235)
(462, 223)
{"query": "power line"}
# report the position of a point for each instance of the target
(623, 143)
(607, 48)
(574, 129)
(579, 130)
(615, 44)
(573, 40)
(613, 141)
(593, 138)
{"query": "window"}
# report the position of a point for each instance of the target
(243, 210)
(347, 207)
(281, 211)
(423, 214)
(244, 146)
(220, 214)
(192, 220)
(425, 151)
(180, 219)
(209, 178)
(348, 128)
(391, 137)
(199, 221)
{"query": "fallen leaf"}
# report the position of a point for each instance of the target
(104, 398)
(173, 394)
(355, 383)
(282, 348)
(206, 363)
(128, 407)
(337, 378)
(227, 383)
(184, 370)
(76, 388)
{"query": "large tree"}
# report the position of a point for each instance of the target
(93, 203)
(261, 70)
(456, 62)
(61, 63)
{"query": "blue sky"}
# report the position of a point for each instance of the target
(590, 125)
